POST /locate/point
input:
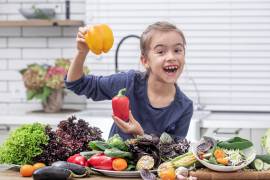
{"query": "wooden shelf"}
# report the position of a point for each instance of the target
(39, 23)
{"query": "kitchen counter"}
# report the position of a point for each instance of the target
(236, 120)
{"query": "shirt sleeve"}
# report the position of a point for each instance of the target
(98, 87)
(181, 127)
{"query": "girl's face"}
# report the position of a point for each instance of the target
(166, 57)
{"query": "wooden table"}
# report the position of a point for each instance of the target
(14, 175)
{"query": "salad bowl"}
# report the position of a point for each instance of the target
(249, 154)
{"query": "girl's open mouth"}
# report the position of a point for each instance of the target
(171, 69)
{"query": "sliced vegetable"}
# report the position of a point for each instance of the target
(219, 153)
(264, 158)
(257, 164)
(50, 172)
(223, 161)
(266, 166)
(145, 162)
(77, 170)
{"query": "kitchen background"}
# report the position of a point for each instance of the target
(227, 71)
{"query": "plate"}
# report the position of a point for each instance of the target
(120, 173)
(14, 167)
(250, 154)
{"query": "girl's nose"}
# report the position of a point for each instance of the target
(171, 56)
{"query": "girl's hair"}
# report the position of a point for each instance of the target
(162, 26)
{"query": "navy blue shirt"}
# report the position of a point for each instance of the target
(173, 119)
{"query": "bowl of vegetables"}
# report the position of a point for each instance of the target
(230, 155)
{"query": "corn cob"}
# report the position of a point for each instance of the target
(185, 160)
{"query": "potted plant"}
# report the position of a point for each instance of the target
(46, 83)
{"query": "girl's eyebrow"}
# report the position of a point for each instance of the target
(162, 45)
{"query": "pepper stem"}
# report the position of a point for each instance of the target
(121, 92)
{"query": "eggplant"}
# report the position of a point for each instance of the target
(77, 170)
(51, 172)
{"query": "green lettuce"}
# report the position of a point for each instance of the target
(23, 144)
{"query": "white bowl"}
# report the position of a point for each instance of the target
(250, 154)
(37, 13)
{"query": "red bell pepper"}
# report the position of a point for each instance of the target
(100, 161)
(77, 159)
(120, 105)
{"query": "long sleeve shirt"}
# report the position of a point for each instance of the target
(173, 119)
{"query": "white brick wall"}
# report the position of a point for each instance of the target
(20, 46)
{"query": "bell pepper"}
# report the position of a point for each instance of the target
(100, 161)
(77, 159)
(120, 105)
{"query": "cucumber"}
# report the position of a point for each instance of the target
(113, 152)
(264, 158)
(98, 145)
(266, 166)
(88, 154)
(257, 164)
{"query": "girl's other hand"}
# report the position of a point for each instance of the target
(81, 44)
(130, 127)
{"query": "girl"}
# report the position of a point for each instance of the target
(157, 104)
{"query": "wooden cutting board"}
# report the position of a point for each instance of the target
(207, 174)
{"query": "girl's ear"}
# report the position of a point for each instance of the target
(144, 61)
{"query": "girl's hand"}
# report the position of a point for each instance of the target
(81, 44)
(131, 127)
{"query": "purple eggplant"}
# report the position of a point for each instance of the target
(51, 172)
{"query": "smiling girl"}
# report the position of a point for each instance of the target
(157, 104)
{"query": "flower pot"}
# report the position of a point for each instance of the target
(54, 102)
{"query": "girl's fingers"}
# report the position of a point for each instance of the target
(131, 118)
(120, 123)
(83, 30)
(80, 35)
(81, 40)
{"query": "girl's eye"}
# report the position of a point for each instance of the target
(178, 50)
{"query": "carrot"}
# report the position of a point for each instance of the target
(219, 153)
(119, 164)
(223, 161)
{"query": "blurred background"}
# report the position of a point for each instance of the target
(227, 72)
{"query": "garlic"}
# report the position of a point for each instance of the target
(181, 171)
